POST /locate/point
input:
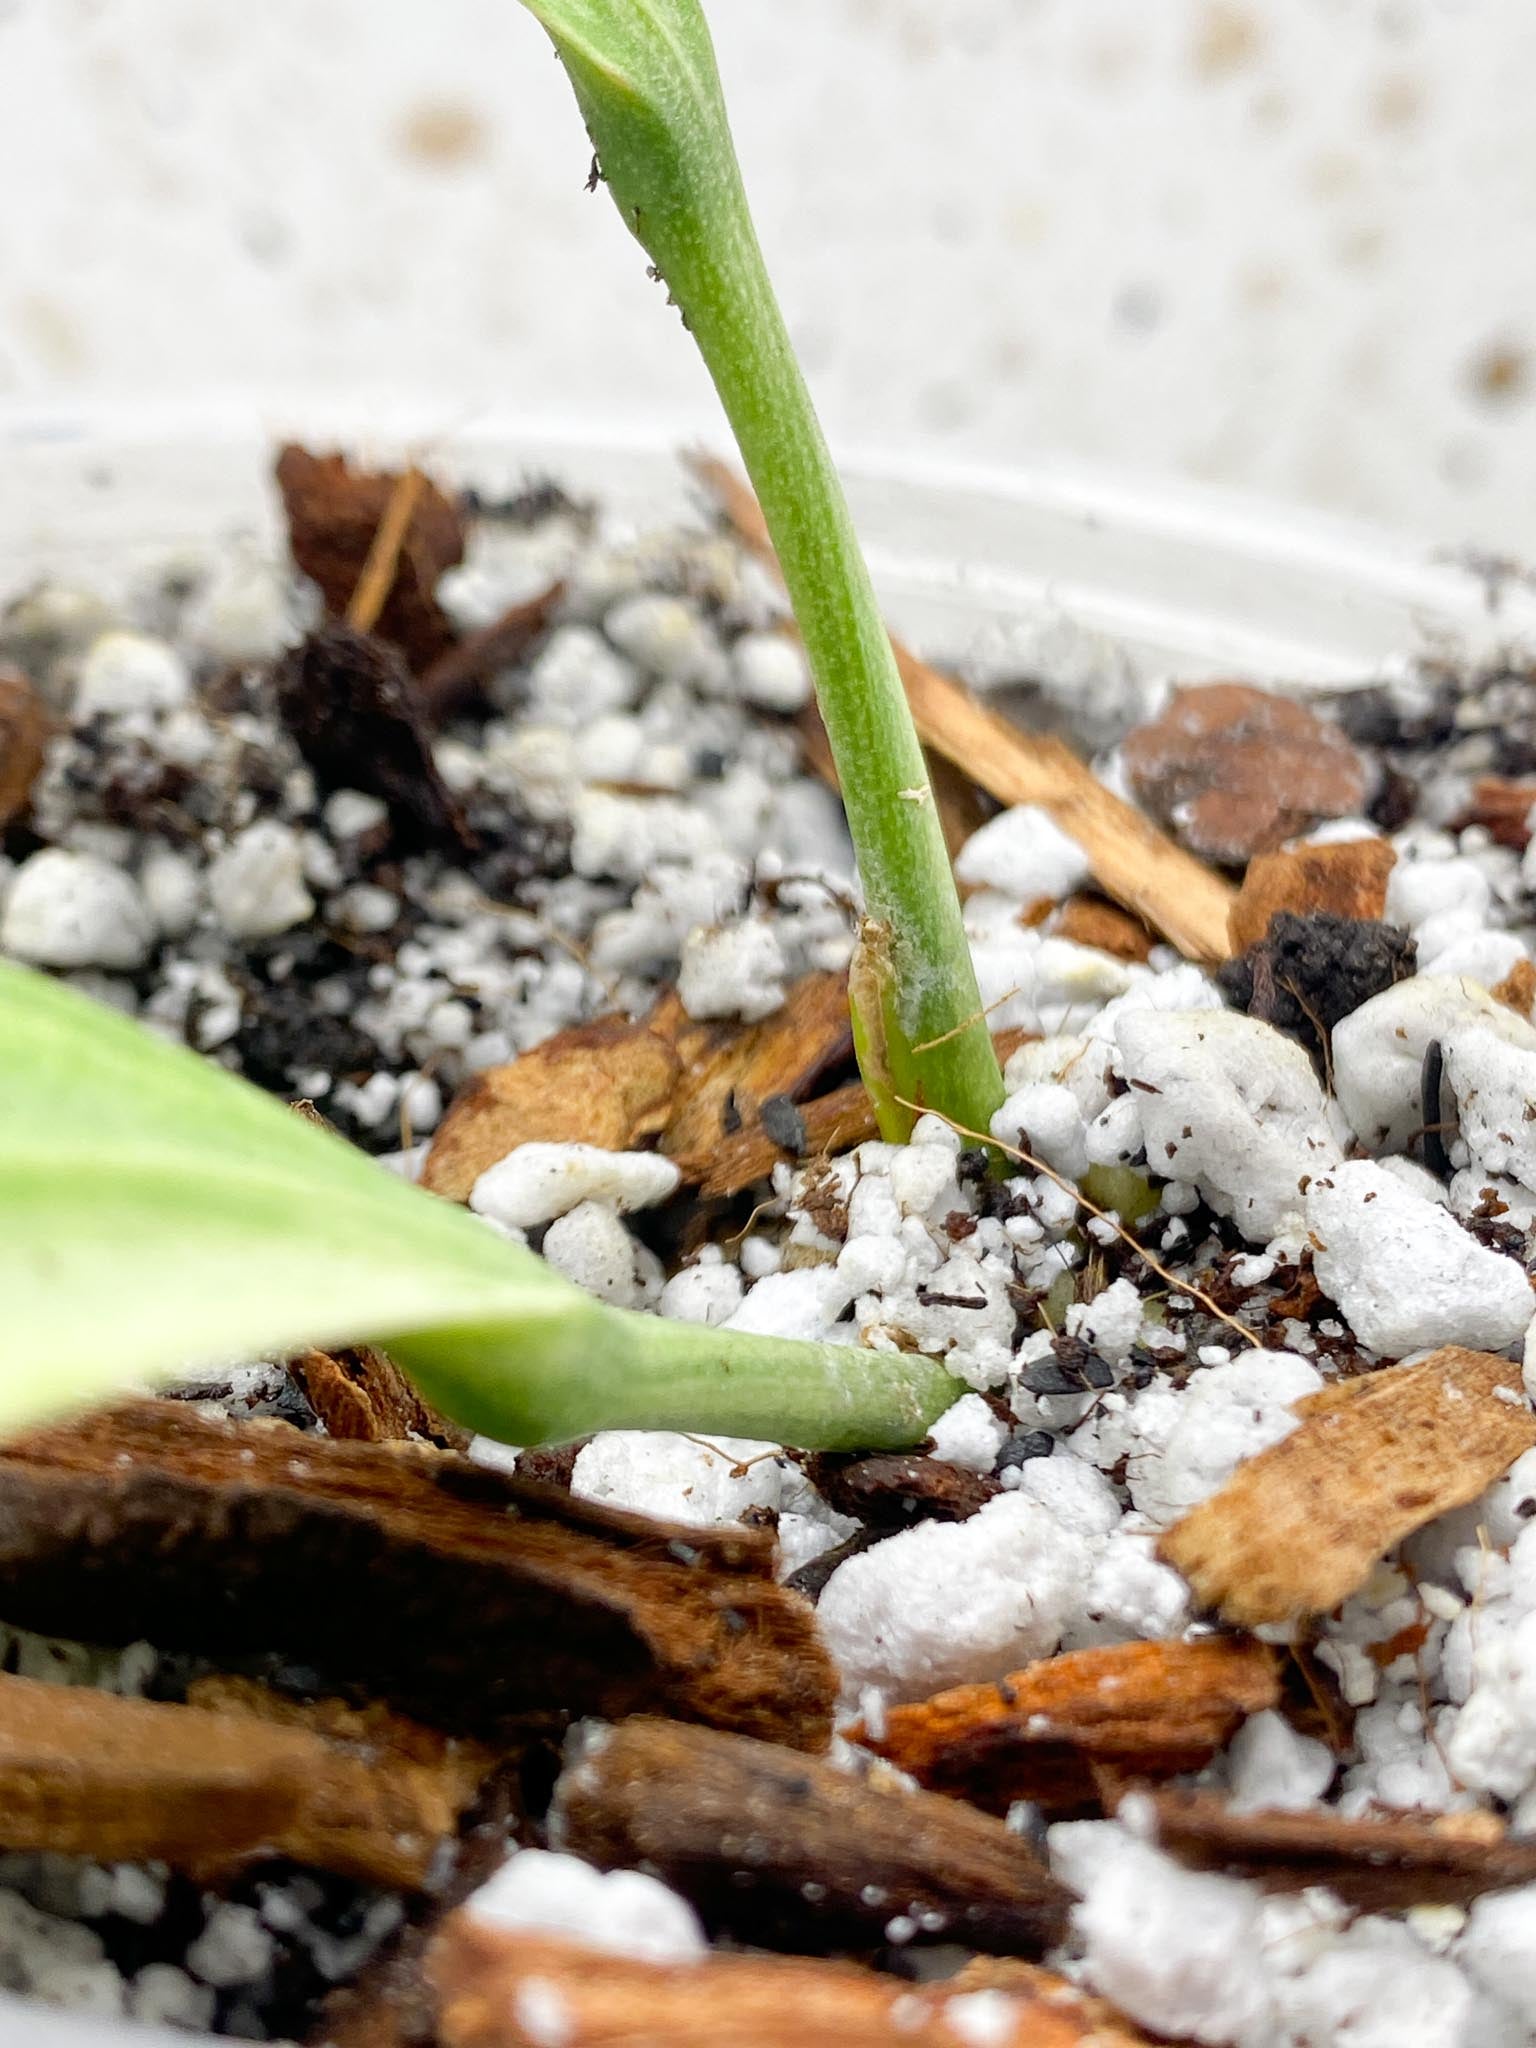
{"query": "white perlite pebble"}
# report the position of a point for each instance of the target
(1373, 1986)
(576, 677)
(1494, 1083)
(625, 838)
(172, 891)
(536, 1183)
(734, 970)
(349, 813)
(1111, 1322)
(1404, 1272)
(162, 1995)
(1024, 853)
(590, 1246)
(1174, 1948)
(968, 1434)
(73, 910)
(667, 636)
(251, 608)
(702, 1480)
(708, 1292)
(1378, 1051)
(1183, 1445)
(233, 1948)
(1270, 1765)
(256, 885)
(622, 1912)
(1231, 1105)
(130, 672)
(803, 1302)
(770, 671)
(1497, 1949)
(949, 1602)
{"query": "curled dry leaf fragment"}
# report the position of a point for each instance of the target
(608, 1083)
(1347, 880)
(787, 1852)
(1041, 1733)
(23, 737)
(1384, 1864)
(334, 513)
(500, 1989)
(729, 1073)
(830, 1123)
(1235, 770)
(701, 1088)
(1300, 1527)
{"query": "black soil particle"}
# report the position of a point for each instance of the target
(1308, 972)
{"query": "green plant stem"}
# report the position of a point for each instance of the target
(635, 1371)
(645, 77)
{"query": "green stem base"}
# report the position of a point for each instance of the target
(626, 1370)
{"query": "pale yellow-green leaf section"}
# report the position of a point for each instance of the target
(156, 1214)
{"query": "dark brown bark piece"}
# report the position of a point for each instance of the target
(1378, 1865)
(355, 714)
(389, 2003)
(1150, 1709)
(23, 741)
(334, 512)
(458, 1595)
(500, 1989)
(1235, 770)
(362, 1396)
(893, 1489)
(462, 671)
(785, 1852)
(232, 1778)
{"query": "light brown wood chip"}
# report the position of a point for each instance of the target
(1152, 1708)
(1132, 859)
(500, 1989)
(211, 1786)
(1300, 1527)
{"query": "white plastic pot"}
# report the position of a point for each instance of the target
(1181, 580)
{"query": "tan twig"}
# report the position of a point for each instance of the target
(378, 572)
(1179, 1286)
